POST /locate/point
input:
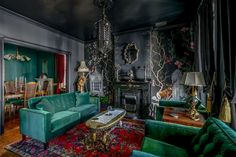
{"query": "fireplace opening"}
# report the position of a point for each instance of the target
(131, 102)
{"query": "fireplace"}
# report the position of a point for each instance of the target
(134, 97)
(130, 101)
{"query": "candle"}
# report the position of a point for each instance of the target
(16, 84)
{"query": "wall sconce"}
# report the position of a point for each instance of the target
(82, 69)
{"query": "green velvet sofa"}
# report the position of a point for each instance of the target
(50, 116)
(179, 103)
(163, 139)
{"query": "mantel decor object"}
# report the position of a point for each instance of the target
(82, 69)
(118, 67)
(194, 79)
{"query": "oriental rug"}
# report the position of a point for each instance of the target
(71, 144)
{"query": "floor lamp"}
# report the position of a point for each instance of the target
(82, 69)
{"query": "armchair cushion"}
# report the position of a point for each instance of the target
(175, 134)
(215, 138)
(82, 98)
(161, 148)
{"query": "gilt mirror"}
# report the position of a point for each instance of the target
(130, 53)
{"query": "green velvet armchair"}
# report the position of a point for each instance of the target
(163, 139)
(179, 103)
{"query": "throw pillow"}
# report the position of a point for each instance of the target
(82, 98)
(45, 105)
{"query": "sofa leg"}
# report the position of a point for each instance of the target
(45, 145)
(23, 137)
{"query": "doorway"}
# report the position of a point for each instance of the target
(37, 61)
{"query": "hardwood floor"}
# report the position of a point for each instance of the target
(11, 134)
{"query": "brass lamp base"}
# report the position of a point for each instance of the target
(81, 83)
(193, 113)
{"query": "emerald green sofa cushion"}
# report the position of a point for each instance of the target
(85, 109)
(82, 98)
(160, 148)
(45, 105)
(63, 118)
(62, 102)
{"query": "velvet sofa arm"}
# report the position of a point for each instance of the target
(95, 100)
(167, 103)
(172, 103)
(138, 153)
(36, 124)
(175, 134)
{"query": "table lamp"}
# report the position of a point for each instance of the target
(82, 69)
(194, 79)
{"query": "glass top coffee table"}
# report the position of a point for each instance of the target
(100, 127)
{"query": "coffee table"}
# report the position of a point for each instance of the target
(100, 127)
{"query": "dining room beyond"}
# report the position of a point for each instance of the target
(30, 73)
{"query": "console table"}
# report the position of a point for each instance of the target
(179, 116)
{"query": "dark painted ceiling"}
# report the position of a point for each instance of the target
(77, 17)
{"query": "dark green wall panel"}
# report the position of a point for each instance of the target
(46, 59)
(30, 69)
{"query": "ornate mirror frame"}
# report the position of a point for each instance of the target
(130, 53)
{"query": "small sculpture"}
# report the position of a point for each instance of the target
(117, 66)
(131, 75)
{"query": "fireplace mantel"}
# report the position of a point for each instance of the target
(140, 91)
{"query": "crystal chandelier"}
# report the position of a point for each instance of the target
(17, 56)
(104, 29)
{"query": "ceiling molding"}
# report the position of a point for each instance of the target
(38, 24)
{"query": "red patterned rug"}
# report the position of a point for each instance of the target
(122, 141)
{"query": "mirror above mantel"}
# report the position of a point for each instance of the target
(130, 54)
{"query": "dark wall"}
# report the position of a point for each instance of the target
(160, 51)
(29, 69)
(142, 41)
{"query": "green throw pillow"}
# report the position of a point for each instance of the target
(82, 98)
(45, 105)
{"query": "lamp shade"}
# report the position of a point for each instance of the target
(83, 68)
(193, 79)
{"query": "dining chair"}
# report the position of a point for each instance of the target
(44, 89)
(9, 88)
(30, 91)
